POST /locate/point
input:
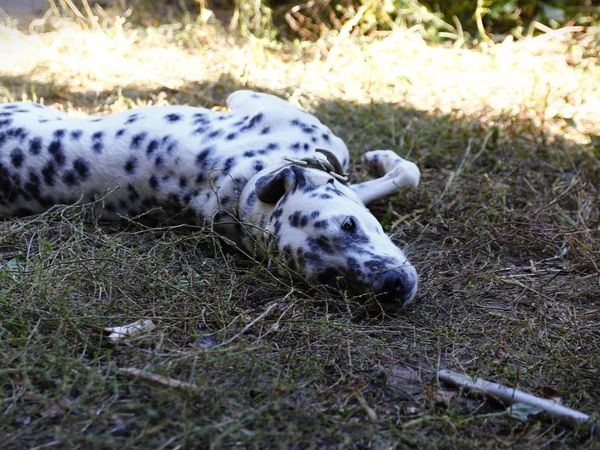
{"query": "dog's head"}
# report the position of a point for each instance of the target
(319, 228)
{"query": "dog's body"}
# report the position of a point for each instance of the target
(267, 174)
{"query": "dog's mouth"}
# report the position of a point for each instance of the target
(354, 284)
(346, 282)
(338, 279)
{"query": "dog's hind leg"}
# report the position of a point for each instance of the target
(394, 173)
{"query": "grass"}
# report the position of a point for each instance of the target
(504, 232)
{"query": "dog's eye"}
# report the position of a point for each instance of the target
(349, 225)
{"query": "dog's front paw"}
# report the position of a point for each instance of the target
(405, 174)
(380, 162)
(387, 163)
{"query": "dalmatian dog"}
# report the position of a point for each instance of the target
(267, 175)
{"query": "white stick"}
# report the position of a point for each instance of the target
(156, 379)
(512, 396)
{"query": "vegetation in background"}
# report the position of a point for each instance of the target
(462, 20)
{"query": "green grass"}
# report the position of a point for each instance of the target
(504, 232)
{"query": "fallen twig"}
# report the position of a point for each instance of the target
(157, 380)
(512, 396)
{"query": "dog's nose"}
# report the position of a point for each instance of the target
(398, 285)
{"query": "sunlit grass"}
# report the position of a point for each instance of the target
(539, 79)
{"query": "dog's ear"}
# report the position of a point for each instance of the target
(270, 188)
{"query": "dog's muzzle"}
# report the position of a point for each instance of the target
(397, 285)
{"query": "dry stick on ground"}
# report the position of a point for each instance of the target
(512, 396)
(157, 380)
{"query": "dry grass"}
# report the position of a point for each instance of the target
(504, 231)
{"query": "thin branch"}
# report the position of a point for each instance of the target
(511, 396)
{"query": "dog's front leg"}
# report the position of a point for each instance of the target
(394, 173)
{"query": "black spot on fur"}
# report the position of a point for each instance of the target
(5, 122)
(159, 161)
(297, 220)
(153, 182)
(132, 118)
(35, 146)
(69, 178)
(251, 123)
(120, 132)
(201, 158)
(17, 157)
(173, 117)
(6, 184)
(49, 172)
(130, 165)
(137, 140)
(258, 166)
(251, 200)
(97, 145)
(200, 130)
(56, 150)
(81, 168)
(33, 185)
(200, 119)
(214, 134)
(17, 133)
(320, 244)
(248, 154)
(152, 146)
(229, 163)
(265, 130)
(321, 224)
(231, 136)
(59, 134)
(75, 134)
